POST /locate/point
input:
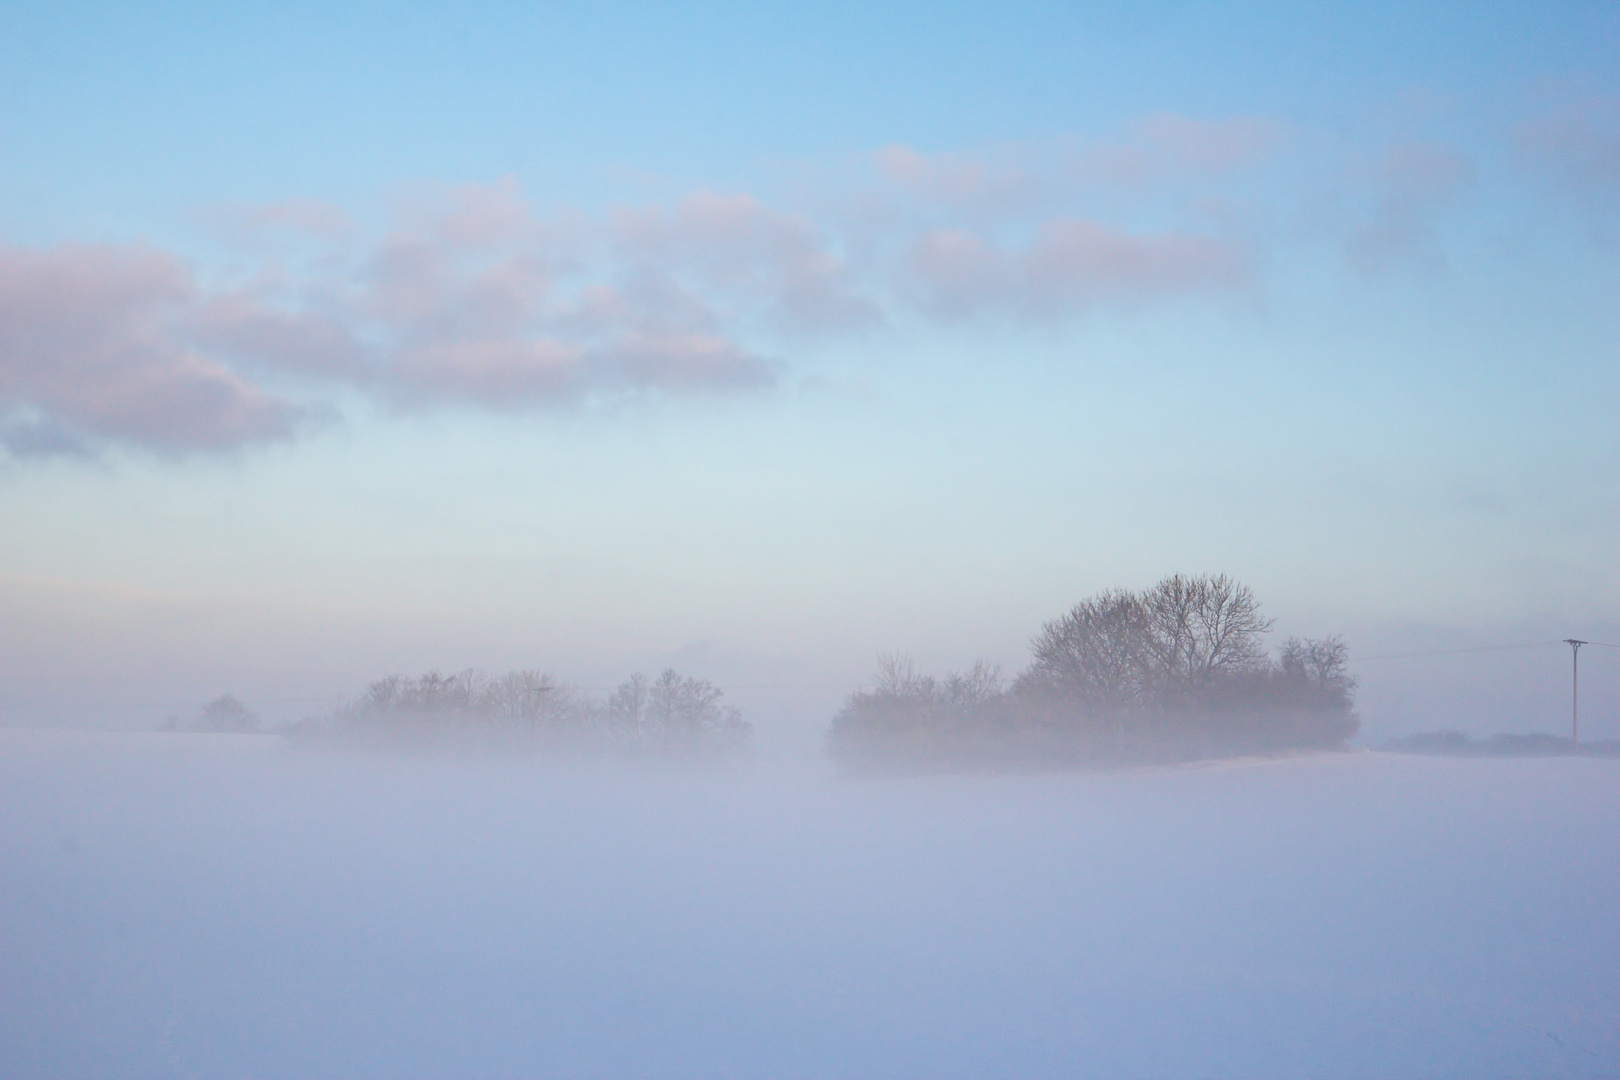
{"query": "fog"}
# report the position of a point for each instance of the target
(230, 905)
(790, 698)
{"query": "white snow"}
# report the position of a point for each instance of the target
(187, 905)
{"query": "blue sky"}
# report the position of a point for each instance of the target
(344, 339)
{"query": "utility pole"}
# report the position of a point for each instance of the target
(1574, 689)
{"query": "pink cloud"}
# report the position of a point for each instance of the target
(1079, 258)
(188, 402)
(748, 254)
(466, 263)
(646, 299)
(422, 287)
(88, 340)
(475, 300)
(1071, 266)
(248, 327)
(509, 374)
(500, 373)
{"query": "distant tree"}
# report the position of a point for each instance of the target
(1177, 671)
(226, 714)
(529, 709)
(1120, 650)
(897, 682)
(1101, 653)
(1324, 664)
(978, 684)
(905, 713)
(626, 713)
(897, 679)
(684, 716)
(1204, 626)
(529, 699)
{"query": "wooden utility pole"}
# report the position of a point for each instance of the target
(1574, 689)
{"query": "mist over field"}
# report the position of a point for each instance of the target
(715, 539)
(191, 905)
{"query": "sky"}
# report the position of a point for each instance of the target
(345, 339)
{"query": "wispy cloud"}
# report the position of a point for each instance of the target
(958, 180)
(684, 362)
(1577, 147)
(1165, 149)
(745, 254)
(251, 225)
(1070, 267)
(1414, 183)
(1196, 147)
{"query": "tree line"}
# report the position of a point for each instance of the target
(1176, 672)
(670, 716)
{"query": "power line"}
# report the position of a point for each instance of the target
(101, 704)
(1458, 652)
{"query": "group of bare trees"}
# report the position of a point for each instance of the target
(1178, 670)
(1121, 651)
(670, 716)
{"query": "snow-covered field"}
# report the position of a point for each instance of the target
(186, 905)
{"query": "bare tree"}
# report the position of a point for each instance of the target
(627, 712)
(1120, 649)
(684, 712)
(1205, 625)
(978, 684)
(528, 699)
(899, 683)
(384, 694)
(1323, 663)
(673, 715)
(1101, 652)
(897, 678)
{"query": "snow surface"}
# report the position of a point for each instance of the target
(187, 905)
